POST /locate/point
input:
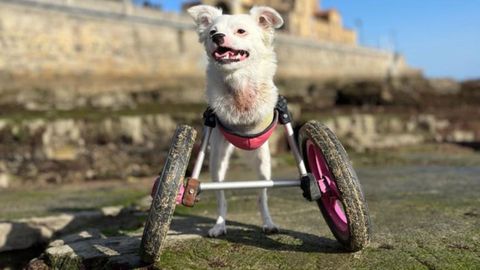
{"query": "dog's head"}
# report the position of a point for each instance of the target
(232, 41)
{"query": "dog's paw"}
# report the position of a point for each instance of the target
(217, 230)
(270, 229)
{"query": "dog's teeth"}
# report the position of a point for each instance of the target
(226, 55)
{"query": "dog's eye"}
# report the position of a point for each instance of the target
(212, 32)
(241, 31)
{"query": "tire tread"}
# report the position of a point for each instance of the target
(163, 204)
(347, 182)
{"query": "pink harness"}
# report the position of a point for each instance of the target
(249, 142)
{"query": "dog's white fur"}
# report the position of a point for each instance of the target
(242, 94)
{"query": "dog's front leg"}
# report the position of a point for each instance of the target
(261, 161)
(220, 152)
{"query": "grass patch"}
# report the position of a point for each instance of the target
(52, 200)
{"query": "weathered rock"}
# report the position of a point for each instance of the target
(437, 128)
(108, 162)
(461, 136)
(112, 100)
(90, 249)
(3, 124)
(159, 128)
(69, 150)
(366, 131)
(35, 125)
(62, 140)
(445, 86)
(25, 233)
(131, 129)
(72, 238)
(113, 146)
(110, 253)
(37, 264)
(18, 235)
(4, 180)
(364, 93)
(144, 203)
(471, 92)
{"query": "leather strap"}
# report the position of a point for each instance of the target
(191, 191)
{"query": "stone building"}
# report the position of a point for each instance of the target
(302, 17)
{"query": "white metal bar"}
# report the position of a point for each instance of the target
(293, 146)
(249, 184)
(201, 154)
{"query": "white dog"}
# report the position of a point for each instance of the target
(240, 90)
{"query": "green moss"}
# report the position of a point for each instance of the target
(28, 202)
(65, 262)
(419, 155)
(423, 203)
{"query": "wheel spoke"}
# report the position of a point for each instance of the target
(330, 193)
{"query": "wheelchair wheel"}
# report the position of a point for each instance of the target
(164, 195)
(342, 202)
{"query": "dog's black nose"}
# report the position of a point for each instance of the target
(218, 38)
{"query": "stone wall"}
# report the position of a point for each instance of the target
(78, 49)
(302, 58)
(93, 47)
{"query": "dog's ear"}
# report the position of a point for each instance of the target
(203, 15)
(266, 17)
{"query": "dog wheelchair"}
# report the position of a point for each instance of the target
(326, 177)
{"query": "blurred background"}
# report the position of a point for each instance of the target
(91, 92)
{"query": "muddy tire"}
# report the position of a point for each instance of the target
(167, 187)
(342, 203)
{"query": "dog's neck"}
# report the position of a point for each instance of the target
(244, 91)
(245, 79)
(243, 99)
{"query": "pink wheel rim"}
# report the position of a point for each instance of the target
(330, 194)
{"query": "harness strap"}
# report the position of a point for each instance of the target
(249, 141)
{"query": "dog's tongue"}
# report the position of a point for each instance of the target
(227, 53)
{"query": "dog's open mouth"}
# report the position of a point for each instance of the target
(226, 55)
